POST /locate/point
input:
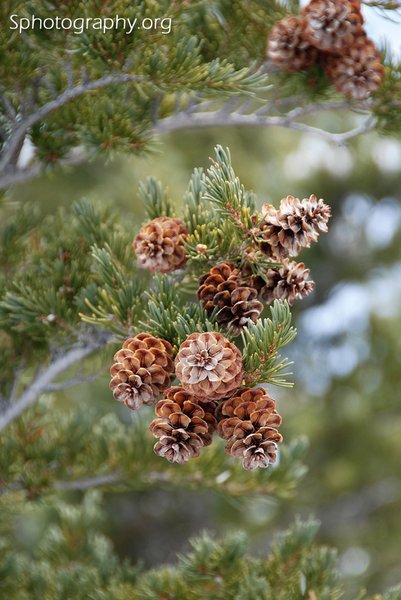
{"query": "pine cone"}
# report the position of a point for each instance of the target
(209, 366)
(184, 426)
(142, 369)
(287, 48)
(357, 73)
(286, 231)
(249, 427)
(290, 282)
(332, 25)
(316, 213)
(237, 302)
(159, 245)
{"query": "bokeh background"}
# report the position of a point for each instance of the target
(347, 355)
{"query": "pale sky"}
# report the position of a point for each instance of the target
(380, 28)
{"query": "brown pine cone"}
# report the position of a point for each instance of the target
(237, 303)
(142, 369)
(249, 426)
(287, 48)
(316, 213)
(290, 282)
(358, 72)
(159, 245)
(185, 425)
(209, 366)
(286, 231)
(332, 25)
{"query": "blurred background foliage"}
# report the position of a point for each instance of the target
(347, 354)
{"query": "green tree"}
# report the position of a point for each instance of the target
(70, 293)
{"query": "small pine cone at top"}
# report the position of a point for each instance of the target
(248, 423)
(236, 303)
(287, 48)
(185, 425)
(209, 366)
(358, 72)
(159, 245)
(142, 369)
(332, 25)
(290, 282)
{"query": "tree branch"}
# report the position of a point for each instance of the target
(236, 119)
(233, 113)
(64, 385)
(18, 135)
(86, 484)
(45, 378)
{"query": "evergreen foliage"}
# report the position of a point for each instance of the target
(73, 558)
(69, 286)
(90, 273)
(50, 451)
(108, 91)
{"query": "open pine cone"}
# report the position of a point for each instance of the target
(209, 366)
(249, 426)
(159, 245)
(332, 25)
(237, 303)
(285, 231)
(185, 424)
(316, 213)
(287, 48)
(358, 72)
(141, 371)
(290, 282)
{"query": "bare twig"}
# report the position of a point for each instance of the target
(199, 115)
(86, 484)
(218, 119)
(46, 377)
(64, 385)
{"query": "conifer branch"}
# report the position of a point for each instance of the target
(69, 94)
(234, 112)
(46, 377)
(197, 117)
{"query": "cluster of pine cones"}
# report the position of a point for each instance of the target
(231, 288)
(212, 394)
(330, 33)
(210, 397)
